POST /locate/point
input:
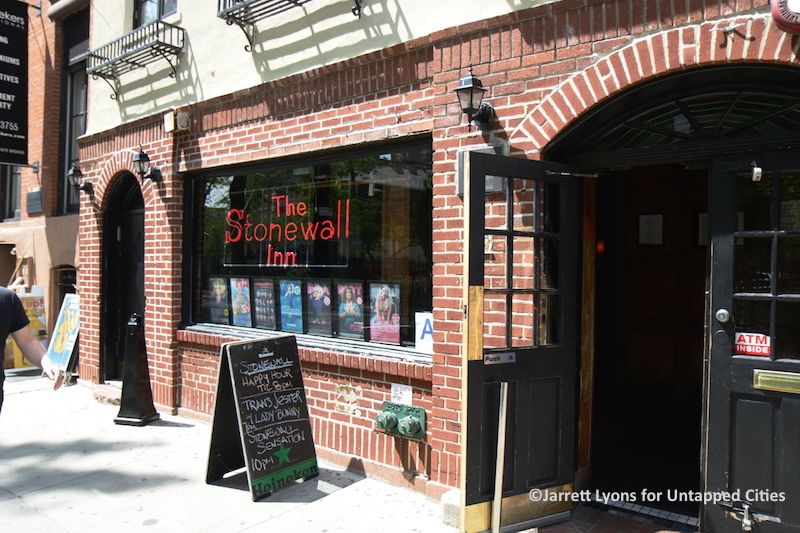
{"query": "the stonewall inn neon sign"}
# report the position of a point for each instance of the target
(288, 232)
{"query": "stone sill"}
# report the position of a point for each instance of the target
(395, 361)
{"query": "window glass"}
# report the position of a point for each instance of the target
(10, 178)
(146, 12)
(311, 231)
(754, 202)
(790, 202)
(787, 330)
(752, 265)
(169, 7)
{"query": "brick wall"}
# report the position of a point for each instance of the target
(543, 67)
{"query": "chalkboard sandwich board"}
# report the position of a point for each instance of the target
(261, 417)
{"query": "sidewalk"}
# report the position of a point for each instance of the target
(66, 467)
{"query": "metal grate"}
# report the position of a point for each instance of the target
(251, 11)
(245, 13)
(135, 50)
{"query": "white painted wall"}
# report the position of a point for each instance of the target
(214, 61)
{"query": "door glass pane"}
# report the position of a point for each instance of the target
(494, 210)
(753, 201)
(751, 316)
(547, 263)
(524, 205)
(494, 320)
(789, 265)
(548, 207)
(548, 319)
(752, 265)
(523, 275)
(494, 261)
(522, 321)
(787, 331)
(790, 201)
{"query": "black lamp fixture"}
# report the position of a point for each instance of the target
(141, 164)
(470, 92)
(75, 177)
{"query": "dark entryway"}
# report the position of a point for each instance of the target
(651, 271)
(123, 270)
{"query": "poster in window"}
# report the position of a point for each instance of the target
(291, 305)
(240, 302)
(384, 321)
(216, 301)
(264, 303)
(318, 307)
(350, 310)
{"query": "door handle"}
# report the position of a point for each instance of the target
(723, 316)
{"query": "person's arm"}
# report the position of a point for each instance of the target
(34, 352)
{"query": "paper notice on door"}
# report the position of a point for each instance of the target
(753, 344)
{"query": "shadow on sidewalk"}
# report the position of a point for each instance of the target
(328, 482)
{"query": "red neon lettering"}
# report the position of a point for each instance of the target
(240, 227)
(274, 257)
(309, 231)
(233, 218)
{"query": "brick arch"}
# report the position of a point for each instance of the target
(116, 166)
(756, 40)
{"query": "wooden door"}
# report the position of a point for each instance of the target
(522, 328)
(753, 385)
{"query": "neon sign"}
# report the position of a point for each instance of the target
(286, 233)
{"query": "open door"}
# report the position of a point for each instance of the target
(752, 448)
(522, 273)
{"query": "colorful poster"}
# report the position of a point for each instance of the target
(291, 305)
(215, 301)
(318, 307)
(350, 310)
(34, 309)
(240, 302)
(65, 334)
(264, 303)
(385, 312)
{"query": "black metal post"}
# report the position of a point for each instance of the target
(136, 407)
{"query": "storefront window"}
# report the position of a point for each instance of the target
(337, 247)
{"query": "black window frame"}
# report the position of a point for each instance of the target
(10, 187)
(76, 48)
(191, 214)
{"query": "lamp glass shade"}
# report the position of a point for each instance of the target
(74, 175)
(141, 163)
(470, 93)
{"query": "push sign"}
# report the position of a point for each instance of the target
(753, 344)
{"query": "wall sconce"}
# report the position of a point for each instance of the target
(141, 164)
(75, 177)
(470, 92)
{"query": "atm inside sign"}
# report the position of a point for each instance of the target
(753, 344)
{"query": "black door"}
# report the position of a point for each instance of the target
(522, 328)
(753, 377)
(123, 270)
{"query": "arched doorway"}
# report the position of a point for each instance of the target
(123, 270)
(687, 226)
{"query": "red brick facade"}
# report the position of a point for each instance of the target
(544, 67)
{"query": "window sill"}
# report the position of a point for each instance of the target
(371, 357)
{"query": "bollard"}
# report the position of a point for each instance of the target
(136, 406)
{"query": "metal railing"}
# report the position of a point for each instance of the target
(137, 49)
(251, 11)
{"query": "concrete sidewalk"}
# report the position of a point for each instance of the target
(66, 467)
